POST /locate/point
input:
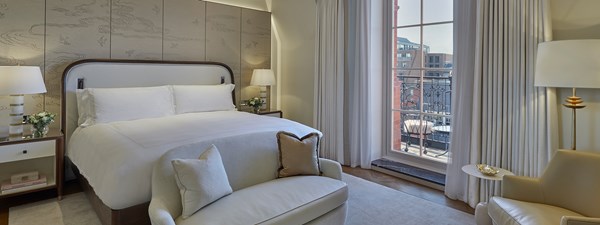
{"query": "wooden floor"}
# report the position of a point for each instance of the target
(373, 176)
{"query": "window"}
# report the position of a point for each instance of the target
(421, 84)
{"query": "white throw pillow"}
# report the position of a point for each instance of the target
(122, 104)
(201, 181)
(203, 98)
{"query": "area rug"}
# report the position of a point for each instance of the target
(369, 204)
(74, 209)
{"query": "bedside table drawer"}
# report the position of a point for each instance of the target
(24, 151)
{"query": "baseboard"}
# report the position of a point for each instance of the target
(408, 178)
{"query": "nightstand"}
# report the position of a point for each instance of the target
(277, 113)
(42, 154)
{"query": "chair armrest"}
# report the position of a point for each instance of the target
(331, 168)
(578, 220)
(522, 188)
(159, 215)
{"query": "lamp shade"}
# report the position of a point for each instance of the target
(262, 77)
(569, 63)
(18, 80)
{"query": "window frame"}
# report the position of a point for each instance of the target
(389, 73)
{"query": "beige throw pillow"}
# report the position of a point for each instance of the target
(201, 181)
(298, 156)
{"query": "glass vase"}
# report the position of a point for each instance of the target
(39, 131)
(256, 110)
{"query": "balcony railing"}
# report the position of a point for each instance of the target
(432, 108)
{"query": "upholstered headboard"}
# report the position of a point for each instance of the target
(107, 73)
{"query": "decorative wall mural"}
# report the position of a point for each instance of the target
(54, 33)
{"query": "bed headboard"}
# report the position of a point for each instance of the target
(107, 73)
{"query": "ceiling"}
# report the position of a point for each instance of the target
(575, 19)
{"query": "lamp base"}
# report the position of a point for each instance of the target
(574, 102)
(15, 129)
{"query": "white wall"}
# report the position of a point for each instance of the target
(294, 21)
(292, 54)
(578, 19)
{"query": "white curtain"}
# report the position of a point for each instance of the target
(512, 123)
(358, 83)
(465, 12)
(343, 83)
(329, 87)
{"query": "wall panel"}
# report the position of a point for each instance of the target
(184, 36)
(52, 34)
(136, 29)
(255, 48)
(75, 30)
(223, 38)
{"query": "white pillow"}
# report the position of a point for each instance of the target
(86, 115)
(201, 181)
(122, 104)
(203, 98)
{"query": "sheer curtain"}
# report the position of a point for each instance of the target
(343, 81)
(511, 122)
(358, 81)
(465, 13)
(329, 72)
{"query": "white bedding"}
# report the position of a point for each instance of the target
(117, 158)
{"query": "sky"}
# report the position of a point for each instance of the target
(437, 37)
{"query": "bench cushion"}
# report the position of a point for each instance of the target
(509, 211)
(290, 200)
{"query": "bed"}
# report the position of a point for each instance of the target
(113, 159)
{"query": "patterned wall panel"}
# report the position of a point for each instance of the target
(136, 29)
(75, 30)
(184, 36)
(54, 33)
(21, 43)
(223, 38)
(255, 48)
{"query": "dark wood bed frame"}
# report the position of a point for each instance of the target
(137, 214)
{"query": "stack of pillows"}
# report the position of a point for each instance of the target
(204, 180)
(104, 105)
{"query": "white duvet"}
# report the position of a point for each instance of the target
(117, 158)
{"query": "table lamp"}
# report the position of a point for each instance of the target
(17, 81)
(263, 78)
(572, 64)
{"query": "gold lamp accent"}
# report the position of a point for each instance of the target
(569, 63)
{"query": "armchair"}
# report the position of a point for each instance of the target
(567, 193)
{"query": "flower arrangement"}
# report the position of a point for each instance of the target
(40, 122)
(255, 103)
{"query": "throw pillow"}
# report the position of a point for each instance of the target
(298, 156)
(201, 181)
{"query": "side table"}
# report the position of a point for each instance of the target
(472, 170)
(273, 113)
(43, 155)
(481, 207)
